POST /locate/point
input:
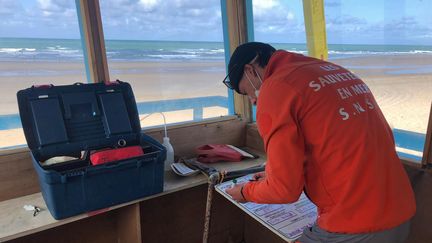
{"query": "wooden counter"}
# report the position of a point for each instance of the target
(16, 222)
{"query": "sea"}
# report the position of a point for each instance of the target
(31, 49)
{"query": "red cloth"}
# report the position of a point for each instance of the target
(324, 132)
(211, 153)
(110, 155)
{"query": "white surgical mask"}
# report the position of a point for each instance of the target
(259, 78)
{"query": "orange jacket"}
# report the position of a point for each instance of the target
(324, 132)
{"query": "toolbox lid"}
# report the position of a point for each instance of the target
(65, 120)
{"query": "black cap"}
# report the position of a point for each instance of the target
(242, 55)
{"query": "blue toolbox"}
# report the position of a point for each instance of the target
(67, 124)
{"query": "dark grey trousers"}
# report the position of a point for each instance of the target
(315, 234)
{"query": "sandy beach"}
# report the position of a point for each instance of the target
(403, 95)
(400, 84)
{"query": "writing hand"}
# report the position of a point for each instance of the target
(235, 193)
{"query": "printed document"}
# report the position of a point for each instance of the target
(286, 220)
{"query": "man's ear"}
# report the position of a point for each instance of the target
(252, 72)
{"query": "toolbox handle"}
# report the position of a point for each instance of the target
(42, 86)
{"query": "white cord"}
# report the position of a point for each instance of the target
(165, 125)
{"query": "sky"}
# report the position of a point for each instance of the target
(277, 21)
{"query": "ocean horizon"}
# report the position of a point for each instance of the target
(35, 49)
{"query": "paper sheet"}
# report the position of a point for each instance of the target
(286, 220)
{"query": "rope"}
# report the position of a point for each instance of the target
(222, 175)
(212, 182)
(216, 178)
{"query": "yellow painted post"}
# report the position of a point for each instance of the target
(315, 28)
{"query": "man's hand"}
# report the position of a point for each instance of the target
(259, 176)
(235, 193)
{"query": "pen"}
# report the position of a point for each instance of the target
(234, 182)
(255, 178)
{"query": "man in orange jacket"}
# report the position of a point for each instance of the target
(324, 134)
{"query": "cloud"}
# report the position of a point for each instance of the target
(56, 15)
(148, 5)
(191, 19)
(407, 28)
(407, 23)
(153, 19)
(275, 20)
(404, 30)
(11, 16)
(57, 6)
(332, 3)
(200, 20)
(345, 22)
(39, 18)
(157, 19)
(8, 8)
(266, 5)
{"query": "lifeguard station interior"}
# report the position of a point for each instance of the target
(174, 54)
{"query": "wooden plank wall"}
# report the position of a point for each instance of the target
(185, 138)
(253, 139)
(17, 175)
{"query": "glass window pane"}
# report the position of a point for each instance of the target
(39, 44)
(281, 24)
(171, 52)
(388, 44)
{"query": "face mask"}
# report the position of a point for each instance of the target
(259, 78)
(256, 93)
